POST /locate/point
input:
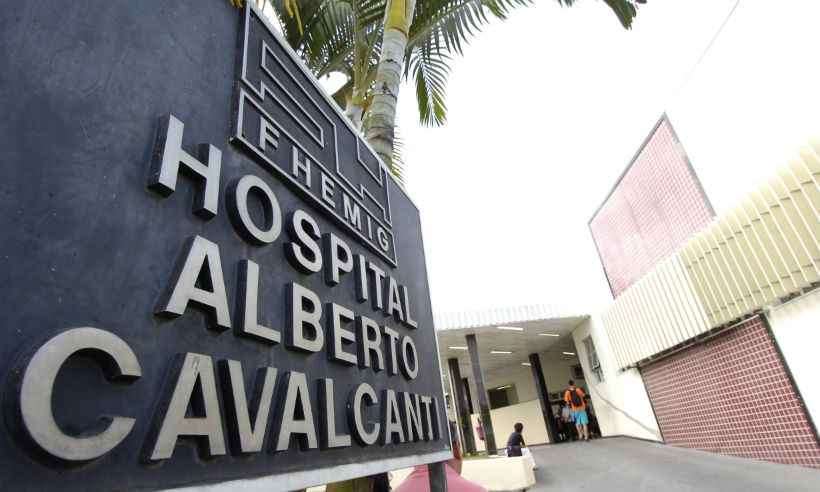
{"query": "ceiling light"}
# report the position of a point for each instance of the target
(568, 353)
(504, 352)
(510, 328)
(457, 348)
(549, 334)
(504, 387)
(526, 364)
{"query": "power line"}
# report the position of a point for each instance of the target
(707, 48)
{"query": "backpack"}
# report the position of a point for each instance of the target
(574, 398)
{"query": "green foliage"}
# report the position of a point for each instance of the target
(345, 36)
(396, 164)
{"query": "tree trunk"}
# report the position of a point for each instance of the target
(380, 122)
(354, 113)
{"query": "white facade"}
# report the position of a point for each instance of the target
(796, 328)
(620, 400)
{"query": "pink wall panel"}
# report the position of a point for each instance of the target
(732, 395)
(655, 206)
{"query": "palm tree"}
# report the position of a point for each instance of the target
(374, 44)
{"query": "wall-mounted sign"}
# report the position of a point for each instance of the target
(278, 330)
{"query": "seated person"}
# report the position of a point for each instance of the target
(516, 441)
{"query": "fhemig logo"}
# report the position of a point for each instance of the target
(290, 127)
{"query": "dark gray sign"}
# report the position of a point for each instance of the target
(278, 330)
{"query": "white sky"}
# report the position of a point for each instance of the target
(547, 108)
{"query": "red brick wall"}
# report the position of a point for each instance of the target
(654, 208)
(732, 395)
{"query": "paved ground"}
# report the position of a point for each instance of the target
(622, 464)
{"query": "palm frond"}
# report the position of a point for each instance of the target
(396, 164)
(625, 10)
(450, 24)
(430, 69)
(345, 36)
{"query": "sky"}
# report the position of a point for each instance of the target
(547, 108)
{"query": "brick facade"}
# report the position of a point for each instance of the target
(732, 395)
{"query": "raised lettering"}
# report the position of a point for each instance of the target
(201, 264)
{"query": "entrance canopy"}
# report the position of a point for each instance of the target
(520, 331)
(494, 344)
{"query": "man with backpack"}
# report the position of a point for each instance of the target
(574, 397)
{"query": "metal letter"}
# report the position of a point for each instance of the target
(382, 236)
(117, 360)
(298, 166)
(352, 212)
(341, 259)
(327, 190)
(430, 426)
(240, 214)
(412, 416)
(201, 257)
(297, 392)
(194, 367)
(356, 417)
(327, 423)
(168, 155)
(393, 300)
(361, 279)
(339, 336)
(392, 350)
(248, 299)
(299, 316)
(407, 343)
(267, 134)
(391, 418)
(304, 233)
(247, 438)
(365, 328)
(406, 307)
(378, 275)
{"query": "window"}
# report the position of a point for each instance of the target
(503, 396)
(592, 357)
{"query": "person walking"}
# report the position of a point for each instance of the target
(574, 397)
(566, 418)
(516, 441)
(560, 431)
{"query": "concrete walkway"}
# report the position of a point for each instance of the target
(629, 465)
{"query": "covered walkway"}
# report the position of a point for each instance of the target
(624, 464)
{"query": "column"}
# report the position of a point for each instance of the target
(483, 402)
(437, 477)
(462, 407)
(543, 396)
